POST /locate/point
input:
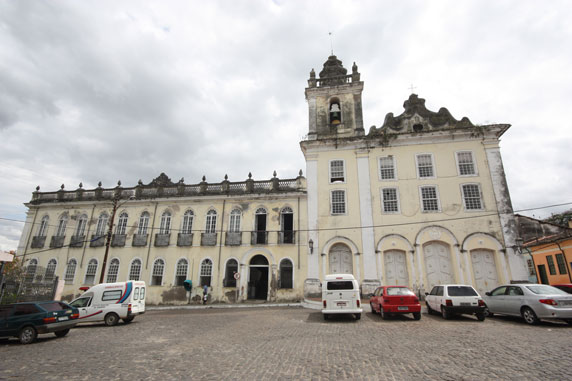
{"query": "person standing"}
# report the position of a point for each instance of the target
(205, 293)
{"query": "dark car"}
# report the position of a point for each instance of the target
(566, 287)
(26, 320)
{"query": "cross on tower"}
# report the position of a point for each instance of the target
(331, 43)
(411, 88)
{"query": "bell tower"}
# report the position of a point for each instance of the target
(334, 102)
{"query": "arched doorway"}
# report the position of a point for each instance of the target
(395, 268)
(485, 270)
(438, 264)
(340, 259)
(258, 278)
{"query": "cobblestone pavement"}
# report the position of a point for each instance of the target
(293, 344)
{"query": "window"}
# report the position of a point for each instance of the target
(31, 270)
(157, 275)
(338, 204)
(70, 271)
(211, 222)
(102, 222)
(551, 266)
(472, 197)
(187, 227)
(182, 269)
(81, 222)
(530, 267)
(143, 223)
(42, 230)
(561, 264)
(429, 199)
(461, 291)
(111, 295)
(387, 168)
(231, 268)
(62, 226)
(165, 227)
(135, 270)
(390, 200)
(122, 224)
(113, 270)
(51, 269)
(425, 166)
(337, 171)
(287, 225)
(206, 272)
(466, 164)
(90, 272)
(234, 225)
(340, 285)
(286, 274)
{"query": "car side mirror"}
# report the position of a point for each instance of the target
(426, 294)
(487, 293)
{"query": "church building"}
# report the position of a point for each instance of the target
(419, 201)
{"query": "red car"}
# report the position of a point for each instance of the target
(566, 287)
(393, 300)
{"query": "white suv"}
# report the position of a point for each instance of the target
(450, 299)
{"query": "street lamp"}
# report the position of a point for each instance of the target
(115, 206)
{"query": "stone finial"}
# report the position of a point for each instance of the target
(119, 183)
(99, 184)
(182, 181)
(38, 188)
(80, 185)
(249, 175)
(300, 173)
(354, 68)
(140, 182)
(226, 176)
(204, 178)
(62, 187)
(312, 73)
(274, 174)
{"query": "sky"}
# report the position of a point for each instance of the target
(125, 90)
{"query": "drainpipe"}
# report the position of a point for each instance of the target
(299, 233)
(565, 264)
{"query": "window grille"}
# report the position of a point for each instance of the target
(135, 270)
(62, 227)
(234, 225)
(165, 227)
(51, 269)
(182, 270)
(551, 266)
(472, 197)
(187, 222)
(113, 270)
(122, 224)
(387, 168)
(157, 275)
(143, 223)
(211, 222)
(338, 202)
(31, 270)
(337, 171)
(206, 272)
(425, 165)
(90, 272)
(466, 163)
(102, 222)
(561, 264)
(390, 201)
(70, 271)
(430, 202)
(43, 226)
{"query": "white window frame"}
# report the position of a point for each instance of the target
(155, 273)
(165, 227)
(143, 223)
(480, 197)
(475, 169)
(81, 225)
(234, 222)
(433, 167)
(131, 269)
(383, 211)
(87, 272)
(121, 228)
(62, 225)
(210, 221)
(208, 270)
(69, 278)
(53, 261)
(332, 202)
(115, 272)
(394, 168)
(436, 194)
(180, 273)
(43, 229)
(330, 171)
(102, 223)
(188, 219)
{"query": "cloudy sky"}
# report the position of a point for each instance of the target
(125, 90)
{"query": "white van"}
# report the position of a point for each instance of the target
(341, 295)
(110, 302)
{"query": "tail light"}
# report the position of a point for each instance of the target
(551, 302)
(324, 302)
(50, 319)
(129, 308)
(449, 303)
(481, 303)
(358, 303)
(75, 316)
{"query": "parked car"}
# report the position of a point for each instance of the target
(393, 300)
(450, 299)
(341, 295)
(566, 287)
(531, 301)
(26, 320)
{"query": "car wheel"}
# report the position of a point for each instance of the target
(111, 319)
(27, 335)
(326, 316)
(569, 321)
(429, 309)
(529, 316)
(358, 316)
(488, 313)
(445, 313)
(384, 315)
(481, 316)
(128, 320)
(417, 315)
(62, 333)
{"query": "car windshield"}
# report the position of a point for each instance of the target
(54, 306)
(541, 289)
(399, 291)
(461, 291)
(340, 285)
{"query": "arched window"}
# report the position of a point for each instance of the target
(165, 227)
(91, 271)
(231, 268)
(157, 275)
(335, 111)
(287, 225)
(234, 224)
(135, 270)
(182, 270)
(81, 223)
(102, 222)
(62, 223)
(51, 269)
(113, 270)
(43, 229)
(206, 272)
(143, 223)
(286, 274)
(70, 271)
(211, 222)
(122, 224)
(187, 227)
(31, 270)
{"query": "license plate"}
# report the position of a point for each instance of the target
(465, 304)
(341, 304)
(62, 318)
(566, 302)
(402, 308)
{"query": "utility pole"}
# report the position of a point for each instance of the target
(108, 240)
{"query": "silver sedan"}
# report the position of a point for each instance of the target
(531, 301)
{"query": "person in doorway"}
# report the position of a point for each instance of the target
(205, 293)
